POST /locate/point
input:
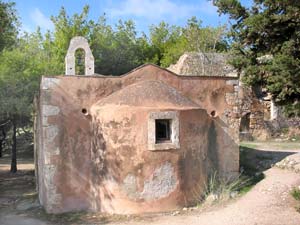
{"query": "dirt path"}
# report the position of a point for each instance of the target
(14, 190)
(14, 219)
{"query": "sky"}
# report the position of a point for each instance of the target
(34, 13)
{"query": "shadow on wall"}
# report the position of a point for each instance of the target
(223, 151)
(98, 151)
(213, 149)
(99, 168)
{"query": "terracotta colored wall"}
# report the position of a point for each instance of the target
(124, 167)
(67, 140)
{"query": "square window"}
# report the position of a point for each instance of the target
(162, 130)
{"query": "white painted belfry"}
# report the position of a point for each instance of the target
(79, 43)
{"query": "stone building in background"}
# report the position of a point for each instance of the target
(146, 141)
(257, 115)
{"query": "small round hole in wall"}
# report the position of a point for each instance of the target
(84, 111)
(213, 113)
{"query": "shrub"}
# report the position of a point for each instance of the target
(295, 192)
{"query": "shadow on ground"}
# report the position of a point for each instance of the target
(256, 161)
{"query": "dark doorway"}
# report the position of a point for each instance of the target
(245, 128)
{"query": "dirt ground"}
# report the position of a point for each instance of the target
(268, 203)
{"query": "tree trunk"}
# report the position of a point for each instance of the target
(13, 167)
(1, 148)
(2, 140)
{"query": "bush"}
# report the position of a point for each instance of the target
(295, 192)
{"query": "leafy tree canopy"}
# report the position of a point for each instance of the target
(266, 46)
(117, 49)
(8, 24)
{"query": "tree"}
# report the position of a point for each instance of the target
(118, 50)
(8, 24)
(170, 42)
(204, 39)
(266, 46)
(2, 136)
(164, 37)
(65, 28)
(20, 70)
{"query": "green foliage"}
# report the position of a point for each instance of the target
(204, 39)
(295, 192)
(65, 28)
(20, 70)
(8, 24)
(117, 50)
(269, 27)
(162, 37)
(79, 62)
(170, 42)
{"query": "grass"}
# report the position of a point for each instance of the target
(251, 181)
(222, 189)
(251, 174)
(295, 193)
(248, 144)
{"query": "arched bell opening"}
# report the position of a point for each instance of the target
(80, 63)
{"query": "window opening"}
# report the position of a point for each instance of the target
(162, 130)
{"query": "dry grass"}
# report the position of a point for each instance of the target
(219, 190)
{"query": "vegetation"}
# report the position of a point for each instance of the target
(268, 28)
(265, 41)
(251, 172)
(219, 189)
(117, 49)
(295, 193)
(8, 24)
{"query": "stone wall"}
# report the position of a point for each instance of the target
(243, 101)
(203, 64)
(250, 104)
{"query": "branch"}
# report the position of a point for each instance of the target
(5, 123)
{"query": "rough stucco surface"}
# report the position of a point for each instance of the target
(148, 93)
(100, 160)
(162, 183)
